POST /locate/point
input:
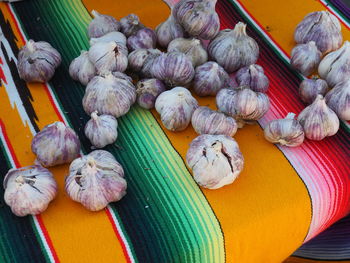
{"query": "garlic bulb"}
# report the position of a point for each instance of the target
(123, 76)
(209, 78)
(130, 25)
(81, 68)
(95, 180)
(141, 60)
(192, 48)
(305, 58)
(310, 88)
(109, 95)
(176, 107)
(147, 92)
(102, 24)
(215, 160)
(321, 27)
(318, 120)
(109, 37)
(243, 104)
(37, 61)
(101, 130)
(174, 68)
(207, 121)
(254, 77)
(29, 190)
(109, 56)
(335, 67)
(287, 131)
(144, 38)
(338, 99)
(198, 18)
(234, 49)
(56, 144)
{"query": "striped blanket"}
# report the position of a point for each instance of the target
(282, 201)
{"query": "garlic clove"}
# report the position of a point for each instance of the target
(318, 120)
(55, 144)
(130, 25)
(234, 49)
(110, 37)
(95, 180)
(29, 190)
(338, 99)
(147, 92)
(141, 60)
(144, 38)
(101, 130)
(254, 77)
(310, 88)
(176, 107)
(102, 24)
(287, 131)
(207, 121)
(215, 160)
(306, 58)
(81, 68)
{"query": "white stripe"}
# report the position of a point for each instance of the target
(42, 236)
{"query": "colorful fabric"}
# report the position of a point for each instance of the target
(282, 199)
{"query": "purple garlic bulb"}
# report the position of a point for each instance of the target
(310, 88)
(338, 99)
(141, 61)
(130, 25)
(147, 92)
(144, 38)
(209, 79)
(102, 24)
(56, 144)
(254, 77)
(37, 61)
(305, 58)
(81, 68)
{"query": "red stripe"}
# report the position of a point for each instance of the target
(9, 145)
(15, 22)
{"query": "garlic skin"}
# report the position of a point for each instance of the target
(81, 69)
(335, 67)
(209, 78)
(215, 160)
(130, 24)
(147, 92)
(305, 58)
(318, 120)
(254, 77)
(141, 60)
(338, 99)
(144, 38)
(234, 49)
(173, 68)
(109, 95)
(176, 107)
(192, 48)
(287, 131)
(198, 17)
(108, 57)
(29, 190)
(102, 24)
(207, 121)
(101, 130)
(243, 104)
(310, 88)
(37, 61)
(95, 180)
(321, 27)
(55, 144)
(109, 37)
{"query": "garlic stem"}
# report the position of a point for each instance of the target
(94, 115)
(290, 115)
(95, 13)
(240, 29)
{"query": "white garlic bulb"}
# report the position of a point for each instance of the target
(81, 68)
(215, 160)
(254, 77)
(207, 121)
(147, 92)
(305, 58)
(310, 88)
(234, 49)
(318, 120)
(108, 57)
(56, 144)
(109, 37)
(95, 180)
(101, 130)
(141, 60)
(335, 67)
(29, 190)
(109, 95)
(130, 24)
(37, 61)
(176, 107)
(192, 48)
(338, 99)
(102, 24)
(287, 131)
